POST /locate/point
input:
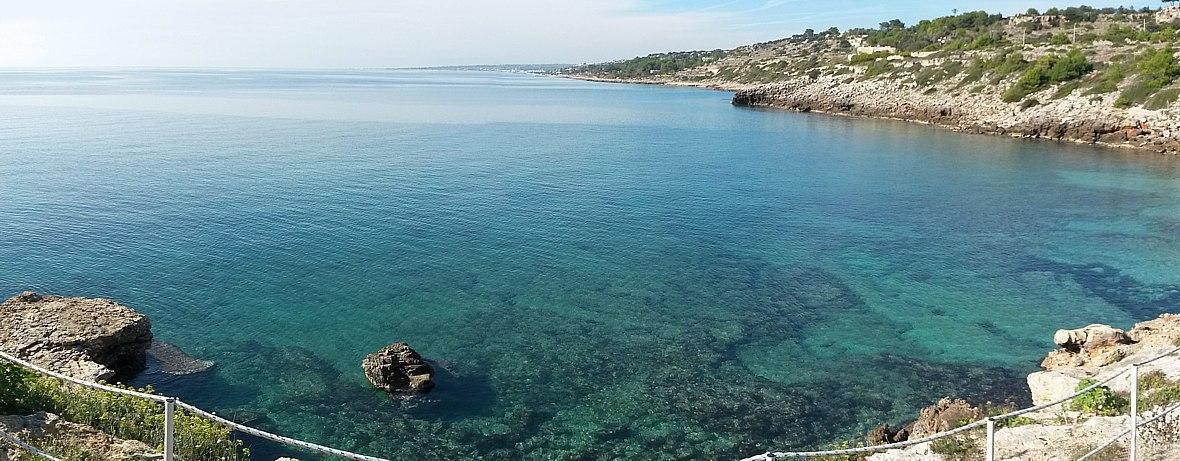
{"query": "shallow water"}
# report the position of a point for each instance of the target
(600, 271)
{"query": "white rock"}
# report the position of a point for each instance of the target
(1049, 386)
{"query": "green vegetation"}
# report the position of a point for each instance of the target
(1157, 68)
(967, 31)
(1010, 422)
(1100, 401)
(861, 58)
(1049, 70)
(1156, 389)
(955, 447)
(23, 392)
(876, 68)
(1162, 99)
(1109, 79)
(661, 63)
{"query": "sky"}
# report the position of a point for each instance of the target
(399, 33)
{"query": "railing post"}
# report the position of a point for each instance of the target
(169, 427)
(991, 439)
(1134, 411)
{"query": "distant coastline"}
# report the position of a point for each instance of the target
(1030, 76)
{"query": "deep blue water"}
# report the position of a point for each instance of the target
(601, 271)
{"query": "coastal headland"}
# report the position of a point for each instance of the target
(1095, 76)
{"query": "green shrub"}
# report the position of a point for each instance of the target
(24, 392)
(1156, 389)
(1162, 99)
(1100, 401)
(1059, 38)
(1009, 422)
(861, 58)
(956, 447)
(876, 68)
(1066, 89)
(1046, 71)
(1158, 68)
(1109, 79)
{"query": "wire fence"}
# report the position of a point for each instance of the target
(990, 423)
(170, 405)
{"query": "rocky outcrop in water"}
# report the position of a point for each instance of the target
(167, 358)
(399, 370)
(92, 339)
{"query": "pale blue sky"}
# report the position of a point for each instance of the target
(387, 33)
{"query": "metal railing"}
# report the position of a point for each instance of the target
(990, 423)
(171, 403)
(170, 406)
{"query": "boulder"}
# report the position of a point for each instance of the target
(92, 339)
(399, 370)
(884, 434)
(944, 415)
(1050, 386)
(46, 429)
(1090, 346)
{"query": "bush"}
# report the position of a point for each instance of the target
(861, 58)
(1100, 401)
(954, 447)
(1156, 389)
(1163, 99)
(1109, 79)
(876, 68)
(24, 392)
(1046, 71)
(1158, 68)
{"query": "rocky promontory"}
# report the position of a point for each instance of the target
(1074, 118)
(1105, 76)
(91, 339)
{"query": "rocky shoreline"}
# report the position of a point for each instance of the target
(1078, 119)
(90, 339)
(1094, 352)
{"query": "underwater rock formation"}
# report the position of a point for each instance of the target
(398, 369)
(92, 339)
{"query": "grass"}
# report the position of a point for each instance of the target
(1162, 99)
(1067, 89)
(23, 392)
(1010, 422)
(955, 448)
(1156, 389)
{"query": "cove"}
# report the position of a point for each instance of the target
(600, 271)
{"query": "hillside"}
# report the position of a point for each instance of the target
(1083, 74)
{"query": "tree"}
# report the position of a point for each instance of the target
(1032, 12)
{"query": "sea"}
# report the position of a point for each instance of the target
(595, 270)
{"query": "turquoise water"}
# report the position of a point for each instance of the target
(599, 271)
